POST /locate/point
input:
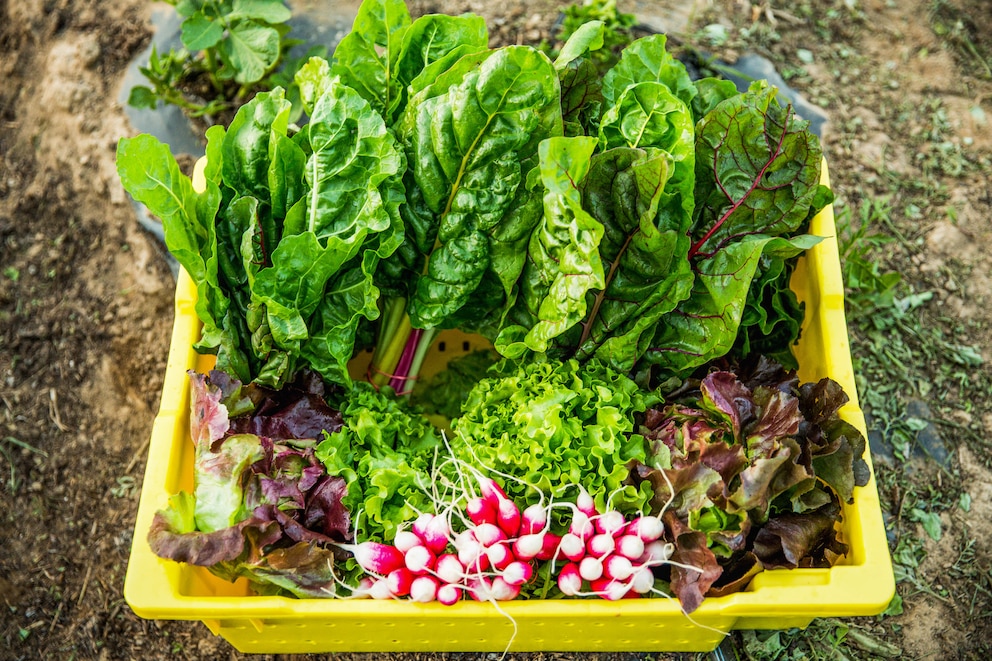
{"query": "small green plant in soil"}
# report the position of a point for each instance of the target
(231, 50)
(617, 28)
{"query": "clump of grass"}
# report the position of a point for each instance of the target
(8, 446)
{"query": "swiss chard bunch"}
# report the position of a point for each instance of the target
(285, 238)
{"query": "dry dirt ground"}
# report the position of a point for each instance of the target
(86, 302)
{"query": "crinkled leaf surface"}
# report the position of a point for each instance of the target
(465, 147)
(645, 249)
(563, 262)
(648, 60)
(757, 170)
(366, 57)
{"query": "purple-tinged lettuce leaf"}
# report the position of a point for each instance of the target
(800, 540)
(699, 569)
(208, 420)
(297, 411)
(837, 447)
(737, 574)
(174, 536)
(730, 399)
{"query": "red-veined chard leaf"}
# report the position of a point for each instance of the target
(757, 170)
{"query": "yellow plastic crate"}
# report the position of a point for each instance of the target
(862, 585)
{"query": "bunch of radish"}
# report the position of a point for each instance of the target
(496, 554)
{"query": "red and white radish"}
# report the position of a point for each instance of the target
(406, 540)
(503, 591)
(492, 493)
(657, 552)
(642, 580)
(508, 517)
(648, 528)
(533, 519)
(617, 568)
(601, 545)
(569, 580)
(549, 546)
(499, 556)
(489, 534)
(581, 526)
(630, 546)
(609, 589)
(437, 533)
(518, 573)
(424, 589)
(399, 581)
(590, 568)
(449, 569)
(376, 558)
(585, 503)
(610, 523)
(572, 547)
(419, 559)
(480, 511)
(380, 590)
(448, 594)
(528, 547)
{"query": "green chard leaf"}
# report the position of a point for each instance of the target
(647, 60)
(439, 40)
(649, 115)
(563, 262)
(465, 147)
(151, 175)
(648, 273)
(366, 58)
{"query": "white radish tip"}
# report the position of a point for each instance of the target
(503, 591)
(590, 568)
(610, 523)
(449, 595)
(423, 589)
(406, 540)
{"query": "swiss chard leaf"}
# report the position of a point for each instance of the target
(151, 175)
(757, 170)
(705, 325)
(648, 274)
(647, 60)
(465, 147)
(563, 262)
(366, 58)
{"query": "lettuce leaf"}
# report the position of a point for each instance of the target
(553, 425)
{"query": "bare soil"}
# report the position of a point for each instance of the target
(86, 294)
